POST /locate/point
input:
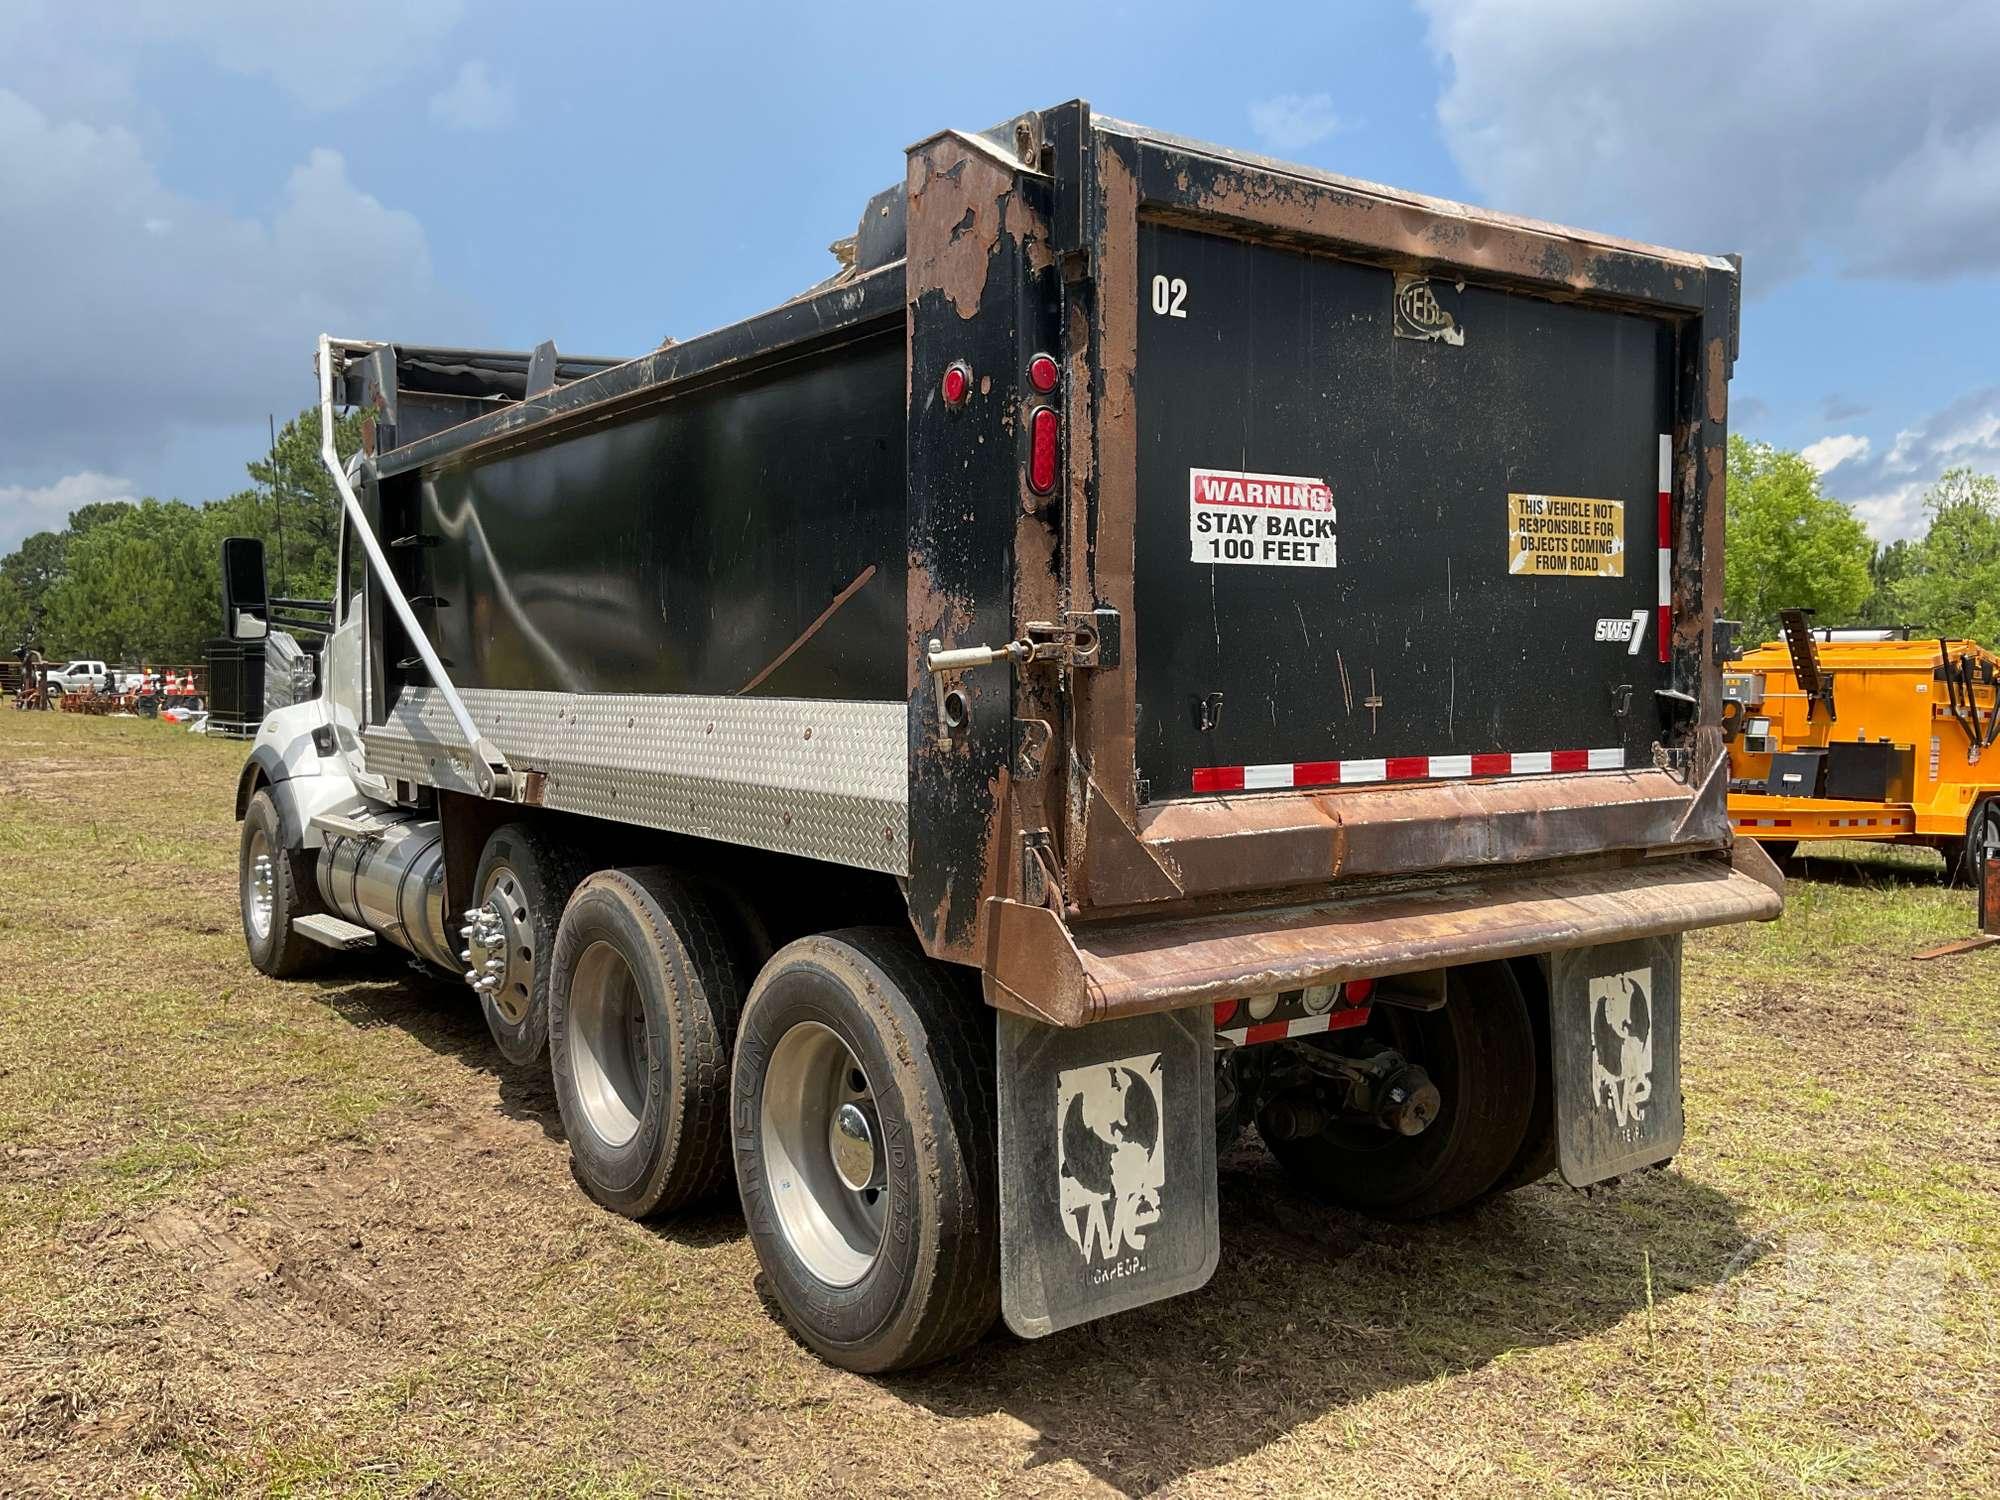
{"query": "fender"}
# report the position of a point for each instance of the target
(303, 783)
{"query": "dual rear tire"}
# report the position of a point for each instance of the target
(859, 1109)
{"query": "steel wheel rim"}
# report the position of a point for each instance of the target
(820, 1142)
(1988, 843)
(609, 1059)
(513, 989)
(259, 883)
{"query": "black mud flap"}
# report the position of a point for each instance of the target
(1107, 1166)
(1615, 1026)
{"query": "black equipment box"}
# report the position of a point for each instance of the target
(1797, 773)
(235, 686)
(1869, 771)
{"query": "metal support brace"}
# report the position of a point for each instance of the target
(490, 769)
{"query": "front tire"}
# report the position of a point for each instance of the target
(524, 881)
(866, 1142)
(274, 887)
(643, 997)
(1479, 1049)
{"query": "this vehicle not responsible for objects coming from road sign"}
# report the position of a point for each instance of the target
(1162, 641)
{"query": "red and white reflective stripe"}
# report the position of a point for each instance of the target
(1402, 768)
(1666, 599)
(1889, 822)
(1277, 1031)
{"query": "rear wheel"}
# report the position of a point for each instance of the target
(524, 881)
(1479, 1049)
(1966, 858)
(274, 887)
(1539, 1150)
(643, 997)
(867, 1149)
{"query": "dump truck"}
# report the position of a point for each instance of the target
(1160, 642)
(1866, 732)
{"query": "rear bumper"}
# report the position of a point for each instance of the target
(1039, 967)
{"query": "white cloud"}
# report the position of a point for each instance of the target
(82, 59)
(146, 311)
(476, 100)
(1794, 131)
(1834, 450)
(1887, 490)
(1292, 122)
(27, 509)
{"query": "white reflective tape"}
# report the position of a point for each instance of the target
(1363, 770)
(1666, 576)
(1666, 462)
(1263, 778)
(1451, 765)
(1531, 762)
(1607, 760)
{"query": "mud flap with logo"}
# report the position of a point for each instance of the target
(1615, 1014)
(1107, 1166)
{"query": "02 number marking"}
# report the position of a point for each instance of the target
(1170, 297)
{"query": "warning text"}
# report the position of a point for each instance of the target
(1263, 520)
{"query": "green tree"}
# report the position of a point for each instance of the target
(30, 571)
(96, 514)
(1951, 582)
(1788, 545)
(141, 582)
(13, 617)
(141, 587)
(293, 480)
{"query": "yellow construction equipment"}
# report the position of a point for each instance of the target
(1866, 734)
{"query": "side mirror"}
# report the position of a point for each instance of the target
(246, 599)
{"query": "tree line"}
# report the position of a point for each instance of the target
(141, 582)
(1789, 544)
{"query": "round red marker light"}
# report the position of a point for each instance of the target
(957, 384)
(1224, 1009)
(1042, 373)
(1356, 991)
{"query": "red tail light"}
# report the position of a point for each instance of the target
(1042, 373)
(1356, 991)
(1044, 449)
(1224, 1009)
(957, 383)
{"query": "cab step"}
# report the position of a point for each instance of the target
(334, 932)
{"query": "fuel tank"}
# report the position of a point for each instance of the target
(391, 879)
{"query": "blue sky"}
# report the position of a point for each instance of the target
(190, 192)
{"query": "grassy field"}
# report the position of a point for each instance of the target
(315, 1238)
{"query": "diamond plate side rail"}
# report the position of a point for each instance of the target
(826, 779)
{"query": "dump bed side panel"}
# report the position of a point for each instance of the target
(744, 537)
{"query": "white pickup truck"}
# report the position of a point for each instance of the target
(82, 676)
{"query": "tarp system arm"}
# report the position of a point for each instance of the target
(490, 769)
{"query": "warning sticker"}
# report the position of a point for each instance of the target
(1567, 535)
(1265, 520)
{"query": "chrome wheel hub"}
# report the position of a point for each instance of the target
(609, 1059)
(821, 1136)
(260, 882)
(499, 951)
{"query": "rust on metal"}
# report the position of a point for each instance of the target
(1102, 971)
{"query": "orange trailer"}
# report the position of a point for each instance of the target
(1866, 734)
